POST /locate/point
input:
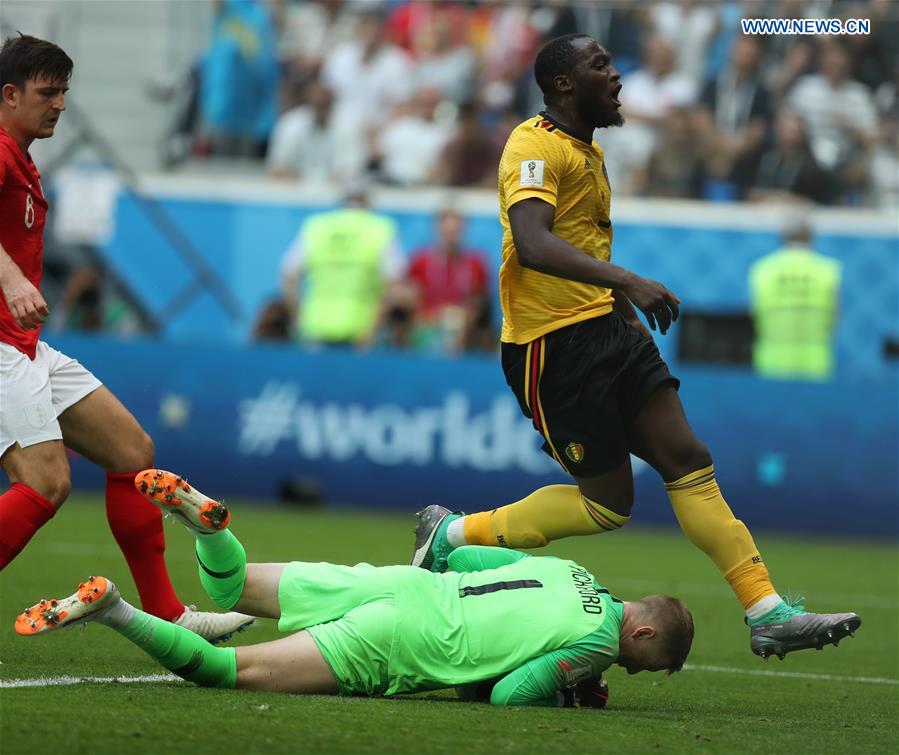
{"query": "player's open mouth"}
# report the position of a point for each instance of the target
(614, 97)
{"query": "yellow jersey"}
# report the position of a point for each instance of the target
(543, 161)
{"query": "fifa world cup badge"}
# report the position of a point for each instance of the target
(531, 173)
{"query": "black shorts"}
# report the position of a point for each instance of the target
(582, 386)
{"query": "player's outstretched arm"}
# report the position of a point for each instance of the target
(480, 557)
(538, 248)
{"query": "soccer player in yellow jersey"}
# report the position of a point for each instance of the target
(586, 370)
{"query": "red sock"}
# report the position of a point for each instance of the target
(137, 526)
(23, 511)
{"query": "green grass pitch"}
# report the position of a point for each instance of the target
(829, 701)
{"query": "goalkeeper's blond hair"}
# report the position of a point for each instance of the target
(673, 623)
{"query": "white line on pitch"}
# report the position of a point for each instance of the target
(58, 681)
(61, 681)
(791, 674)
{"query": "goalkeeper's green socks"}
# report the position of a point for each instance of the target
(223, 567)
(178, 649)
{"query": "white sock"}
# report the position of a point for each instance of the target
(119, 614)
(763, 606)
(455, 533)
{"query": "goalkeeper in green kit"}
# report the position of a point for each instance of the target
(537, 631)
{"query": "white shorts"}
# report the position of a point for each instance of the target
(33, 393)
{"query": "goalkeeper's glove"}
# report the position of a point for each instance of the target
(592, 693)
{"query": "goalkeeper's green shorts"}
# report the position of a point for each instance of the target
(350, 611)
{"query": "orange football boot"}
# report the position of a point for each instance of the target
(88, 603)
(173, 495)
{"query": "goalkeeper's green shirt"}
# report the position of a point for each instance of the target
(543, 622)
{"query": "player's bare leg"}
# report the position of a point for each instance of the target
(614, 489)
(260, 591)
(43, 467)
(662, 436)
(291, 664)
(102, 430)
(41, 482)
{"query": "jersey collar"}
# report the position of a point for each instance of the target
(7, 137)
(564, 129)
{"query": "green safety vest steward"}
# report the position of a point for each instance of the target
(794, 294)
(344, 254)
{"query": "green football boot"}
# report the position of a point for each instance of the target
(789, 627)
(431, 546)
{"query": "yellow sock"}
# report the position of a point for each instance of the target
(711, 526)
(546, 514)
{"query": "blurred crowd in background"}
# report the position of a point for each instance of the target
(411, 94)
(425, 93)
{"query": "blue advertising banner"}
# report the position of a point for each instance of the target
(400, 431)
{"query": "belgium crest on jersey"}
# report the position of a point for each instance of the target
(575, 452)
